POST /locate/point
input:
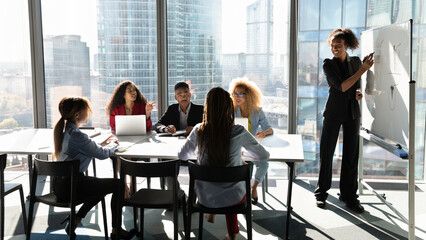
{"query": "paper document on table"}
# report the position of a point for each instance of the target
(91, 132)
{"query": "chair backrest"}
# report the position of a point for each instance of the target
(56, 168)
(150, 169)
(220, 174)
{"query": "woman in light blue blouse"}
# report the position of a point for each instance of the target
(71, 144)
(247, 100)
(219, 144)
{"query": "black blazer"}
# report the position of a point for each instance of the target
(172, 117)
(341, 105)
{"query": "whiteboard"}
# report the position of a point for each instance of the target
(385, 105)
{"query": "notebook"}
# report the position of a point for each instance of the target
(130, 125)
(242, 121)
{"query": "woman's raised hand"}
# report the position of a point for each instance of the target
(148, 108)
(368, 61)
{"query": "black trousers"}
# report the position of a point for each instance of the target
(349, 170)
(89, 186)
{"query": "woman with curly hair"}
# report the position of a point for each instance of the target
(247, 103)
(219, 142)
(127, 99)
(343, 74)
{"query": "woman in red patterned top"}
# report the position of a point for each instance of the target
(127, 99)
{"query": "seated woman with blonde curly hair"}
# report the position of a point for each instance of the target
(247, 96)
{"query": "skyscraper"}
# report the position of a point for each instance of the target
(67, 71)
(259, 44)
(128, 47)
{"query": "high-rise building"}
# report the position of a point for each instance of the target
(67, 71)
(128, 48)
(259, 44)
(194, 46)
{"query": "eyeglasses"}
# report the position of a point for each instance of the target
(239, 95)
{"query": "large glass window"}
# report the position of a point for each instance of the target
(16, 98)
(308, 15)
(212, 42)
(91, 46)
(331, 14)
(354, 13)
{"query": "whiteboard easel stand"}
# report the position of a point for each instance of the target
(411, 167)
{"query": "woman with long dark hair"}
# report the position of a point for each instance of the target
(72, 144)
(219, 142)
(343, 74)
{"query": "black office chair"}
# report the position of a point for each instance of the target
(5, 189)
(59, 169)
(218, 175)
(152, 198)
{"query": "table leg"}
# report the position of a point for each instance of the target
(289, 208)
(114, 166)
(30, 171)
(30, 166)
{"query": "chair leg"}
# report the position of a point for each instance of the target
(264, 187)
(104, 216)
(2, 216)
(141, 222)
(184, 213)
(175, 220)
(135, 217)
(30, 219)
(249, 227)
(200, 226)
(24, 211)
(94, 167)
(188, 224)
(72, 222)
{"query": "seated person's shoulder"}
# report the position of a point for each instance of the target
(173, 107)
(197, 106)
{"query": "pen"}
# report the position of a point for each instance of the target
(366, 58)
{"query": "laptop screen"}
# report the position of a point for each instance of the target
(127, 125)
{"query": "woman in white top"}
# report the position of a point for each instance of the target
(219, 143)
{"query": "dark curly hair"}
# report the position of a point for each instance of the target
(117, 97)
(346, 35)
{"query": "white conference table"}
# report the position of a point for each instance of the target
(286, 148)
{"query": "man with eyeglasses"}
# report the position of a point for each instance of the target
(181, 116)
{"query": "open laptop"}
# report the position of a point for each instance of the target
(242, 121)
(130, 125)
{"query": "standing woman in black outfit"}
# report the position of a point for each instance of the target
(343, 74)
